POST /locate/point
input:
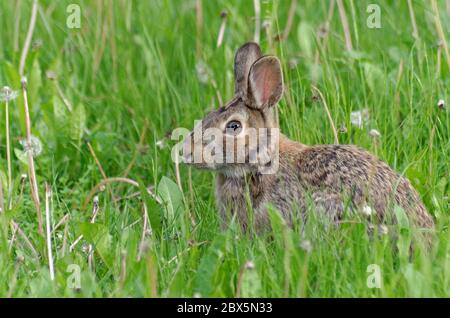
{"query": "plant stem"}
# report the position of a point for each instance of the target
(32, 171)
(27, 43)
(2, 206)
(8, 155)
(48, 196)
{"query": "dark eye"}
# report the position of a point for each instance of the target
(234, 127)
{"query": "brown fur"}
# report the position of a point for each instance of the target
(330, 177)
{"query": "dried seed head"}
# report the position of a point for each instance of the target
(343, 129)
(441, 104)
(322, 32)
(37, 44)
(35, 146)
(7, 94)
(223, 14)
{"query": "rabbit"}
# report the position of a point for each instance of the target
(330, 177)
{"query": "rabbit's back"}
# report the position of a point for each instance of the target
(336, 174)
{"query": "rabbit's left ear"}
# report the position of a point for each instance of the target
(245, 56)
(265, 82)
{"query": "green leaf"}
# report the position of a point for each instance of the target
(98, 235)
(34, 84)
(153, 210)
(14, 83)
(60, 114)
(375, 77)
(401, 217)
(77, 123)
(209, 265)
(172, 198)
(22, 156)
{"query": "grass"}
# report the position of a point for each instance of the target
(130, 75)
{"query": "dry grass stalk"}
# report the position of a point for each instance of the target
(27, 241)
(144, 232)
(440, 31)
(413, 20)
(31, 169)
(290, 20)
(336, 140)
(118, 180)
(199, 28)
(26, 46)
(223, 16)
(8, 147)
(257, 35)
(13, 282)
(346, 28)
(64, 244)
(48, 212)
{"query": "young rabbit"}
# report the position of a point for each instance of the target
(331, 178)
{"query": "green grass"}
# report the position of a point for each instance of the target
(134, 62)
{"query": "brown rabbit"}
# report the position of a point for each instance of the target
(330, 177)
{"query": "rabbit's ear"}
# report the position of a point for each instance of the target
(265, 82)
(245, 56)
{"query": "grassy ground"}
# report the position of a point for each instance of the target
(136, 70)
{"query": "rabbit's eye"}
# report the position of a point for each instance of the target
(234, 127)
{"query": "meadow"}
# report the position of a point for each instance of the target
(125, 220)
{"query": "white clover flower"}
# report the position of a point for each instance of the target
(306, 246)
(7, 94)
(35, 147)
(249, 265)
(358, 118)
(367, 210)
(374, 133)
(383, 229)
